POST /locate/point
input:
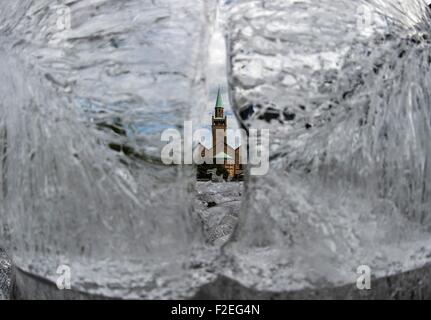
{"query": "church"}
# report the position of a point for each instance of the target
(221, 153)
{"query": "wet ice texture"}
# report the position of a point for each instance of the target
(80, 182)
(5, 269)
(81, 113)
(349, 114)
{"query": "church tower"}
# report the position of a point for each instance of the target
(219, 124)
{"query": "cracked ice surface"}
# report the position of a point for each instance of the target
(81, 113)
(349, 114)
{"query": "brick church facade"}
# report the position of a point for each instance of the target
(221, 153)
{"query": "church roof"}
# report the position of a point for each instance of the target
(222, 155)
(208, 149)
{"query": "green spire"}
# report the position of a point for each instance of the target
(219, 103)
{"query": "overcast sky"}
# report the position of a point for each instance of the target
(217, 77)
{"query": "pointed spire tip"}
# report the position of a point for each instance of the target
(219, 102)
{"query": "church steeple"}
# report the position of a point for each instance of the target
(219, 110)
(219, 124)
(219, 102)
